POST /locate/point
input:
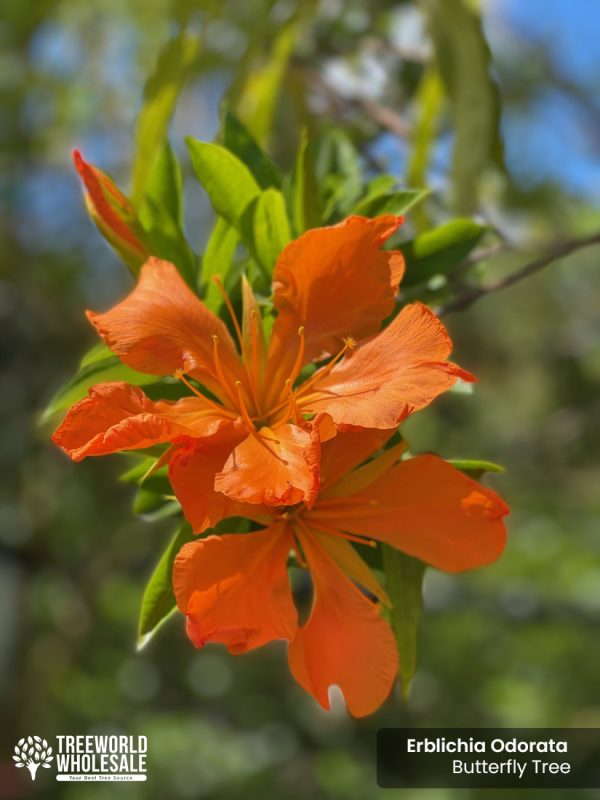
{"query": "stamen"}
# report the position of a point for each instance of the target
(331, 531)
(331, 512)
(260, 438)
(227, 301)
(299, 357)
(219, 370)
(349, 344)
(179, 374)
(292, 409)
(254, 333)
(242, 406)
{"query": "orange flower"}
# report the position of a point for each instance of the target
(261, 428)
(234, 588)
(113, 214)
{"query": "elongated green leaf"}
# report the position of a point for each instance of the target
(338, 173)
(173, 67)
(258, 98)
(270, 228)
(240, 142)
(157, 482)
(228, 182)
(93, 372)
(429, 104)
(152, 505)
(464, 63)
(438, 251)
(165, 185)
(403, 583)
(392, 203)
(305, 203)
(217, 260)
(167, 239)
(473, 467)
(158, 601)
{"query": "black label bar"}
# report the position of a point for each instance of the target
(488, 758)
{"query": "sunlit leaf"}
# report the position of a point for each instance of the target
(403, 584)
(258, 98)
(270, 228)
(228, 182)
(174, 65)
(391, 203)
(304, 195)
(439, 250)
(217, 260)
(158, 601)
(240, 142)
(429, 105)
(165, 185)
(473, 467)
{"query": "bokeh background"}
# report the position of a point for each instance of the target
(513, 645)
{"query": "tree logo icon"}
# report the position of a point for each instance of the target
(33, 752)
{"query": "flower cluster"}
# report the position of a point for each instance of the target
(289, 429)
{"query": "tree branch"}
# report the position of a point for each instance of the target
(558, 251)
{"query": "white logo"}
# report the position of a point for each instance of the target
(33, 752)
(86, 757)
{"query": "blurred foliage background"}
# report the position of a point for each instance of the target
(495, 108)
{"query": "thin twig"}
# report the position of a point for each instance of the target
(384, 116)
(558, 251)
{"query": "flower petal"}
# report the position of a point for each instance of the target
(385, 379)
(345, 641)
(335, 282)
(162, 327)
(192, 471)
(276, 467)
(117, 416)
(346, 451)
(235, 589)
(428, 509)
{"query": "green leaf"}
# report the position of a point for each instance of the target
(217, 260)
(305, 200)
(393, 203)
(230, 185)
(94, 370)
(403, 584)
(153, 506)
(157, 482)
(165, 186)
(338, 173)
(474, 468)
(239, 141)
(270, 228)
(168, 241)
(258, 97)
(429, 105)
(174, 65)
(438, 251)
(465, 65)
(158, 601)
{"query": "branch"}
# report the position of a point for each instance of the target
(385, 117)
(558, 251)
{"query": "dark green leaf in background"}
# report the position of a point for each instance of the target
(158, 601)
(464, 63)
(403, 583)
